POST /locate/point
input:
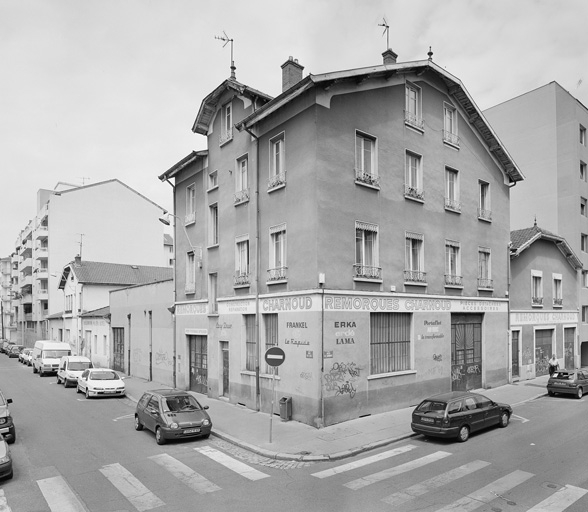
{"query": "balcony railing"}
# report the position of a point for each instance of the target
(484, 214)
(450, 138)
(368, 179)
(225, 136)
(277, 180)
(277, 274)
(414, 120)
(189, 218)
(485, 283)
(367, 272)
(452, 204)
(413, 192)
(242, 196)
(537, 301)
(453, 280)
(558, 302)
(242, 278)
(415, 276)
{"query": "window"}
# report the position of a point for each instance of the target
(277, 257)
(271, 337)
(484, 271)
(213, 235)
(484, 211)
(250, 345)
(241, 181)
(536, 288)
(452, 190)
(365, 159)
(389, 342)
(452, 264)
(242, 261)
(557, 291)
(213, 293)
(212, 180)
(583, 171)
(584, 242)
(366, 251)
(227, 124)
(413, 180)
(190, 286)
(585, 314)
(414, 259)
(412, 108)
(583, 210)
(585, 278)
(277, 175)
(190, 204)
(582, 135)
(450, 125)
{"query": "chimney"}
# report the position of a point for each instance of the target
(389, 57)
(78, 261)
(291, 73)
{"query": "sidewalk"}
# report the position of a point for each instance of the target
(292, 440)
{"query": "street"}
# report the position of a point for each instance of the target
(73, 454)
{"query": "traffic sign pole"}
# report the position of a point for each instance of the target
(274, 356)
(273, 396)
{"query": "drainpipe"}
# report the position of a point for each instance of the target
(174, 373)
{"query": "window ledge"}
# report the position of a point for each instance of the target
(213, 315)
(367, 280)
(559, 306)
(451, 145)
(213, 246)
(225, 141)
(242, 201)
(415, 127)
(277, 281)
(277, 187)
(454, 286)
(247, 285)
(391, 374)
(212, 188)
(367, 185)
(453, 210)
(190, 222)
(536, 305)
(416, 283)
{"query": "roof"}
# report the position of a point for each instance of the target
(385, 71)
(118, 274)
(182, 164)
(522, 239)
(168, 239)
(100, 312)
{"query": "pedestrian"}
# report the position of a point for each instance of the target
(553, 365)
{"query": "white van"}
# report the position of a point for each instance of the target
(70, 368)
(47, 354)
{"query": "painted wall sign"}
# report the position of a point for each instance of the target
(287, 303)
(192, 309)
(196, 332)
(543, 317)
(309, 354)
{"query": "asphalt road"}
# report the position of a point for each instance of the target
(74, 455)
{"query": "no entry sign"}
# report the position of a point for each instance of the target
(275, 356)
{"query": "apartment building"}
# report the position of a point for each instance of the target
(360, 222)
(545, 131)
(5, 296)
(106, 221)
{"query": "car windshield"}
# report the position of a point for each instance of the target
(79, 365)
(431, 406)
(55, 354)
(181, 403)
(104, 376)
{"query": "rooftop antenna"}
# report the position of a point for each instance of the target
(84, 179)
(227, 40)
(386, 31)
(81, 242)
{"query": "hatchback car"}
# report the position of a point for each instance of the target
(568, 382)
(172, 414)
(457, 414)
(6, 424)
(5, 460)
(100, 382)
(15, 350)
(5, 345)
(23, 357)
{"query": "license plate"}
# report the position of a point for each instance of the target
(110, 391)
(560, 383)
(191, 431)
(427, 420)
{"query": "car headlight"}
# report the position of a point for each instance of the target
(97, 388)
(205, 423)
(3, 420)
(5, 459)
(174, 425)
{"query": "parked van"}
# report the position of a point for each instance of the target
(70, 368)
(47, 354)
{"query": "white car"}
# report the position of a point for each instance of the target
(100, 382)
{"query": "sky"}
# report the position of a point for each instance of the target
(93, 90)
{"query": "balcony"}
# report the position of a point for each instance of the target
(453, 280)
(486, 284)
(42, 232)
(43, 294)
(557, 303)
(414, 121)
(242, 196)
(276, 181)
(452, 205)
(276, 275)
(26, 249)
(537, 301)
(415, 277)
(26, 280)
(241, 279)
(485, 215)
(225, 137)
(42, 253)
(367, 272)
(450, 138)
(365, 178)
(411, 192)
(41, 273)
(190, 218)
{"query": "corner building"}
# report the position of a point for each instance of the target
(360, 222)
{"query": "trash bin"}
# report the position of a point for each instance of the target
(286, 408)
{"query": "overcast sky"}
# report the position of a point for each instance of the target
(92, 90)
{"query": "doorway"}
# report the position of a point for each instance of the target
(543, 350)
(466, 352)
(569, 337)
(225, 376)
(198, 363)
(515, 353)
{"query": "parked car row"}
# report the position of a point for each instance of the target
(7, 436)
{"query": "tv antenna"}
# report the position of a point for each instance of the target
(81, 242)
(84, 179)
(227, 40)
(386, 31)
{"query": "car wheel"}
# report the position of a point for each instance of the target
(504, 419)
(78, 390)
(205, 436)
(159, 436)
(34, 369)
(58, 381)
(464, 434)
(551, 393)
(9, 475)
(579, 393)
(65, 383)
(87, 393)
(138, 424)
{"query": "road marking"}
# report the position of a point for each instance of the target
(488, 493)
(364, 462)
(560, 500)
(396, 470)
(133, 490)
(3, 503)
(126, 416)
(399, 498)
(195, 481)
(59, 495)
(234, 465)
(517, 417)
